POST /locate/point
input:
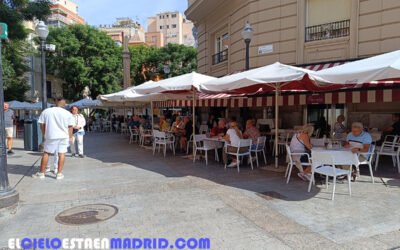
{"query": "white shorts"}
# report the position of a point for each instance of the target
(9, 132)
(56, 146)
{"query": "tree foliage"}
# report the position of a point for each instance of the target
(84, 57)
(147, 63)
(14, 13)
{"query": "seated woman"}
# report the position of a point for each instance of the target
(251, 132)
(177, 124)
(233, 136)
(339, 130)
(300, 143)
(220, 129)
(164, 125)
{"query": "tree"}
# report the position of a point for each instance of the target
(147, 63)
(14, 13)
(85, 57)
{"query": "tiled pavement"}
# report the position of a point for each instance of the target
(172, 197)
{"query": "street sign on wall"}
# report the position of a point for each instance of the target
(3, 31)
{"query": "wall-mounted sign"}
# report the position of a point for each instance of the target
(315, 99)
(3, 31)
(265, 49)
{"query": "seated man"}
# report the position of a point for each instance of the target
(233, 136)
(220, 129)
(251, 132)
(359, 142)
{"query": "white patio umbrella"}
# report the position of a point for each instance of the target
(86, 103)
(276, 77)
(177, 85)
(381, 67)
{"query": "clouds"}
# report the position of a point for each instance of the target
(98, 12)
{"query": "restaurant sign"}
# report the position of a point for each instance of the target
(316, 99)
(3, 31)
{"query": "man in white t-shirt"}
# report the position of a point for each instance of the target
(9, 125)
(56, 124)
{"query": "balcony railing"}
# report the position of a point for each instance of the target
(328, 31)
(220, 57)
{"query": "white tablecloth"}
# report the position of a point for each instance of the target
(341, 156)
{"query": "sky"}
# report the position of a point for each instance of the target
(97, 12)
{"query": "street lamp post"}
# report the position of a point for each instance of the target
(42, 31)
(247, 34)
(167, 70)
(8, 195)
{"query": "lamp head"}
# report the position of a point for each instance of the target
(42, 30)
(247, 32)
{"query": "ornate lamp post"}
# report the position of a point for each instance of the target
(247, 34)
(8, 195)
(42, 31)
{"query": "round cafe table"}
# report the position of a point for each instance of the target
(341, 156)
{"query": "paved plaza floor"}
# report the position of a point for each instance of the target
(172, 197)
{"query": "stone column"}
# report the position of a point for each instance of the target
(126, 55)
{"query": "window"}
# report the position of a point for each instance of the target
(167, 26)
(221, 48)
(154, 39)
(174, 26)
(161, 27)
(160, 17)
(173, 35)
(167, 16)
(173, 16)
(326, 19)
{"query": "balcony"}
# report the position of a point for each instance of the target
(327, 31)
(220, 57)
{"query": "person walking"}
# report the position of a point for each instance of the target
(78, 133)
(56, 125)
(9, 125)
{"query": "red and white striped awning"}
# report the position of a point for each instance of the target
(354, 96)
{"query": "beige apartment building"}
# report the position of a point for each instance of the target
(64, 12)
(173, 26)
(310, 33)
(294, 32)
(125, 27)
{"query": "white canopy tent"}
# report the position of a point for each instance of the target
(86, 103)
(187, 83)
(271, 78)
(385, 66)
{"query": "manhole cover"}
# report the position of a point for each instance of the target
(270, 195)
(87, 214)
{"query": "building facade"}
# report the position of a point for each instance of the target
(125, 28)
(294, 32)
(173, 26)
(310, 33)
(64, 12)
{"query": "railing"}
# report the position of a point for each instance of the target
(220, 57)
(328, 31)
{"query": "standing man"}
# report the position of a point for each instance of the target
(56, 124)
(78, 133)
(9, 124)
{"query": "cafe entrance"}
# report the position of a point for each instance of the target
(324, 116)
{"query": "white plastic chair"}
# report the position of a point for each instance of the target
(260, 147)
(161, 139)
(143, 135)
(203, 145)
(368, 161)
(324, 164)
(283, 140)
(318, 142)
(203, 129)
(134, 135)
(189, 144)
(291, 162)
(243, 143)
(390, 147)
(124, 128)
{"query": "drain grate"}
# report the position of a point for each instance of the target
(271, 195)
(86, 214)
